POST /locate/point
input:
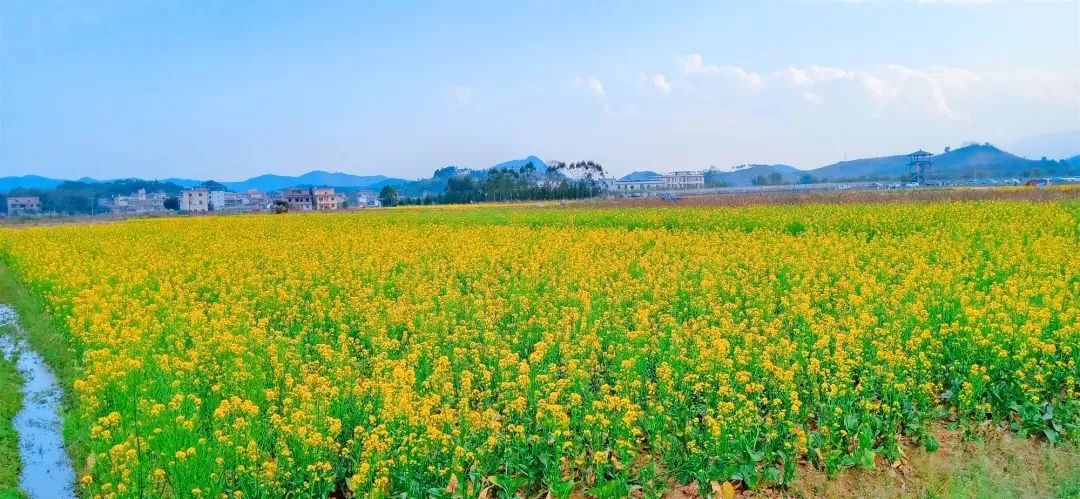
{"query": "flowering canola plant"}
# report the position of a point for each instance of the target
(508, 350)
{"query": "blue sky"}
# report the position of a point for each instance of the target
(228, 90)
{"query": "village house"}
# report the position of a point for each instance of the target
(256, 200)
(368, 199)
(23, 205)
(139, 202)
(325, 198)
(197, 200)
(235, 202)
(299, 199)
(243, 202)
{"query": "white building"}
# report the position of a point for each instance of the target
(217, 200)
(684, 180)
(202, 199)
(195, 200)
(368, 199)
(654, 181)
(640, 183)
(251, 200)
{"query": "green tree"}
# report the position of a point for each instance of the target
(172, 203)
(388, 196)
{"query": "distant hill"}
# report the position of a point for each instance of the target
(314, 178)
(745, 176)
(435, 185)
(983, 161)
(183, 182)
(516, 164)
(636, 176)
(966, 162)
(28, 182)
(883, 167)
(971, 161)
(262, 182)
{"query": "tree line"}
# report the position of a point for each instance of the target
(558, 180)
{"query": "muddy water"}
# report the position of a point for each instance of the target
(46, 468)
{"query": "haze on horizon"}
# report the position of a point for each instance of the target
(230, 90)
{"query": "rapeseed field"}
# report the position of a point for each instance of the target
(506, 351)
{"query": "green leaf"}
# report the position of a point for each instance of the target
(751, 480)
(866, 459)
(932, 443)
(851, 422)
(611, 488)
(1051, 435)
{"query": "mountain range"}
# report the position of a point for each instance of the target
(270, 182)
(262, 182)
(971, 161)
(277, 182)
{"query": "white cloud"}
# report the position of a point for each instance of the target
(932, 85)
(592, 84)
(657, 81)
(694, 64)
(877, 90)
(934, 89)
(953, 93)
